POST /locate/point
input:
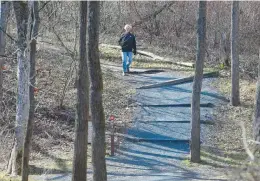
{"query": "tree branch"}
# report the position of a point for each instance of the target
(147, 17)
(9, 36)
(44, 5)
(249, 153)
(72, 55)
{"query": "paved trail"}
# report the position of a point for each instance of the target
(163, 132)
(157, 143)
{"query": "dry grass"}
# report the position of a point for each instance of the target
(54, 125)
(227, 136)
(53, 135)
(3, 177)
(139, 61)
(228, 117)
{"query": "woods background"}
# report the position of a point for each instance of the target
(165, 28)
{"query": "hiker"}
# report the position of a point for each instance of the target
(128, 44)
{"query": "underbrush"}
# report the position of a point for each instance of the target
(228, 135)
(140, 61)
(53, 134)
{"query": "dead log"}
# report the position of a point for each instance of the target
(110, 46)
(152, 56)
(178, 81)
(144, 53)
(185, 64)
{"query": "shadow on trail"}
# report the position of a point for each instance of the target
(160, 132)
(176, 89)
(153, 71)
(135, 70)
(151, 160)
(174, 94)
(214, 95)
(154, 79)
(161, 148)
(170, 114)
(203, 105)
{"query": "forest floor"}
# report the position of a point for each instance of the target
(53, 136)
(53, 133)
(223, 145)
(163, 152)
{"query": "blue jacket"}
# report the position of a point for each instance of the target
(127, 42)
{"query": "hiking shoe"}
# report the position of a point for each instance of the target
(127, 70)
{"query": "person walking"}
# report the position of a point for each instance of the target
(128, 44)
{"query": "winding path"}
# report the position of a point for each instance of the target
(158, 142)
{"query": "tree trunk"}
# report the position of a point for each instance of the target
(97, 112)
(256, 122)
(22, 105)
(225, 48)
(4, 10)
(197, 83)
(81, 124)
(235, 54)
(33, 32)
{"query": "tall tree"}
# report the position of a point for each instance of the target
(81, 124)
(33, 26)
(21, 11)
(235, 54)
(4, 11)
(96, 88)
(256, 121)
(197, 83)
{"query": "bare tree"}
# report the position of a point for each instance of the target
(225, 48)
(4, 10)
(96, 88)
(197, 83)
(154, 14)
(81, 124)
(33, 27)
(235, 54)
(22, 106)
(256, 121)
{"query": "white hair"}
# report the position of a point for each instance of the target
(128, 27)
